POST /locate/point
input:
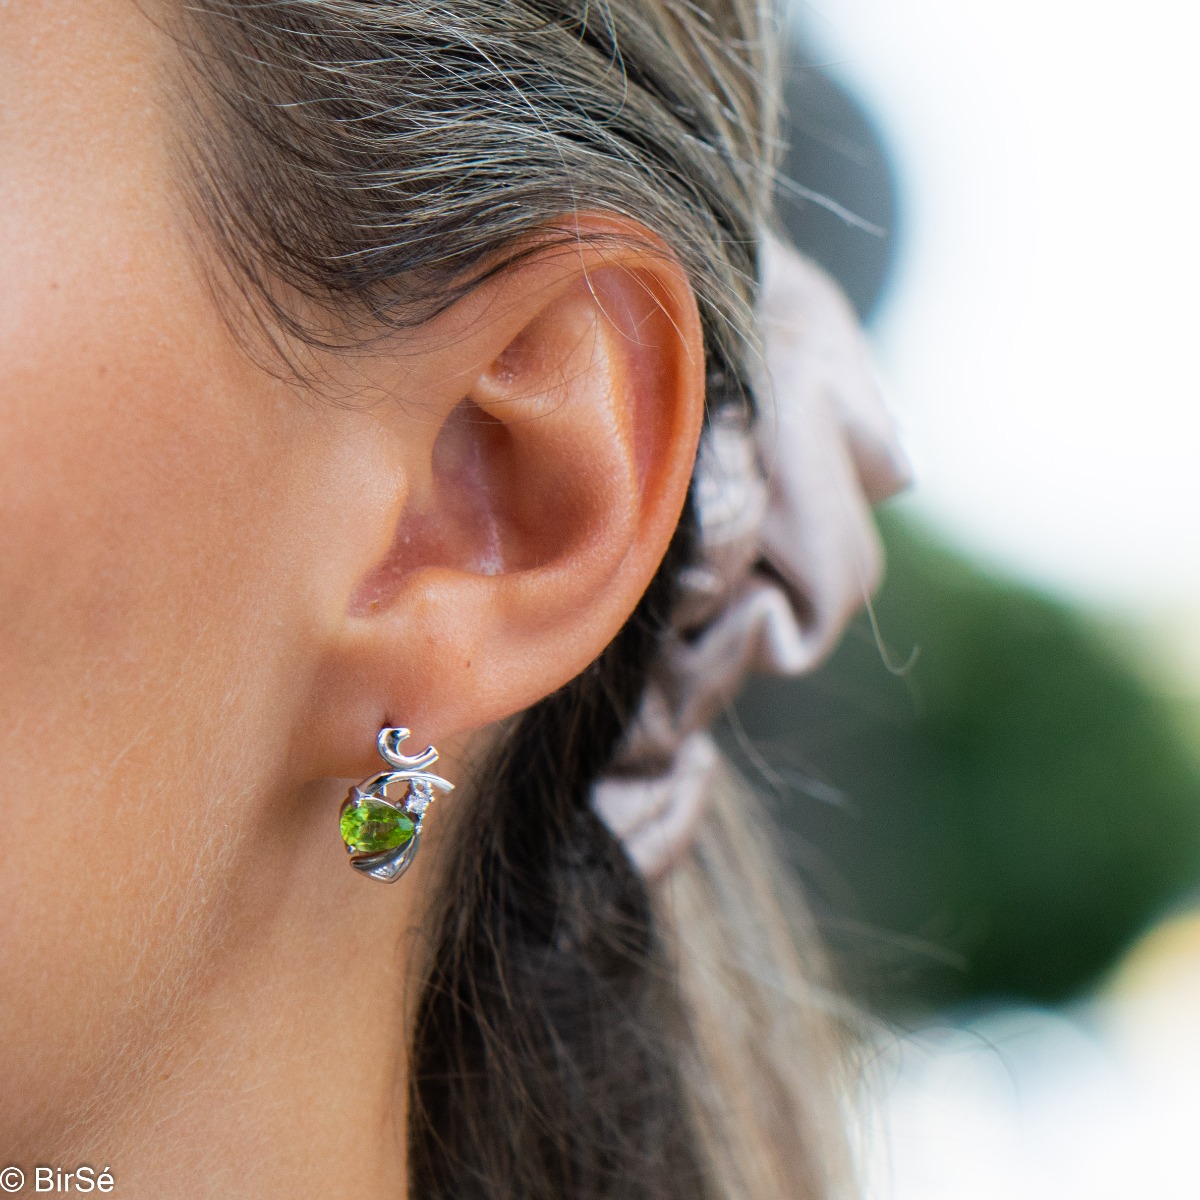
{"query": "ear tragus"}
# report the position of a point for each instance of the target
(455, 521)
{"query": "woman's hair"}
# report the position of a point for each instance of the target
(361, 165)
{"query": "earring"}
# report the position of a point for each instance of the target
(382, 835)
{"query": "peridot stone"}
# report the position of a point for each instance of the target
(371, 826)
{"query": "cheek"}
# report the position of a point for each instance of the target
(145, 578)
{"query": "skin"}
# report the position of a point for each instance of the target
(215, 588)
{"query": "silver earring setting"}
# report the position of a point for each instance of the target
(382, 834)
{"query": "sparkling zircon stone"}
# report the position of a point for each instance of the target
(371, 826)
(419, 799)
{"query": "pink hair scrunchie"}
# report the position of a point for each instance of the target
(789, 550)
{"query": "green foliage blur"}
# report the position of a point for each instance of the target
(998, 821)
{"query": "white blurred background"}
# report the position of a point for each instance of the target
(1040, 330)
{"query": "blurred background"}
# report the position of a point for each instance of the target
(1003, 819)
(1008, 194)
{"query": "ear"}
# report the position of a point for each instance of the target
(540, 466)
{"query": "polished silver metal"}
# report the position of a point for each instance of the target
(388, 865)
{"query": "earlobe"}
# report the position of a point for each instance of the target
(539, 511)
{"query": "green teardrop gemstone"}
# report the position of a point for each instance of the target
(371, 826)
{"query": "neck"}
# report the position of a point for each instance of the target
(284, 1073)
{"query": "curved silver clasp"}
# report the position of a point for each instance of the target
(389, 750)
(406, 768)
